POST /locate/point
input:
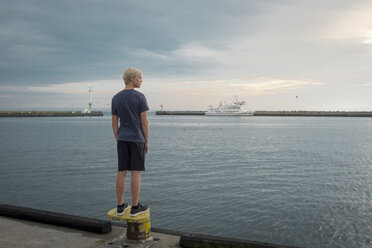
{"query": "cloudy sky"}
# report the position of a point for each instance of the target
(192, 53)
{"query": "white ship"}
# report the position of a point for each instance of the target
(237, 108)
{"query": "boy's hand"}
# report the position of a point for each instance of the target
(115, 126)
(147, 148)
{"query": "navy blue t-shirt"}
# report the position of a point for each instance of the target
(128, 106)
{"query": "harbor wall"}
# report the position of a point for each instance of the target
(283, 113)
(315, 113)
(180, 112)
(48, 113)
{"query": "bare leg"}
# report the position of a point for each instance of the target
(120, 186)
(135, 187)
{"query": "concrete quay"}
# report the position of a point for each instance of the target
(31, 228)
(29, 234)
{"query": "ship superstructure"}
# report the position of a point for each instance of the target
(237, 108)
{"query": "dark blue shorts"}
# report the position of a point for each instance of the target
(131, 156)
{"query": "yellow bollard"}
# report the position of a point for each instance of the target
(138, 227)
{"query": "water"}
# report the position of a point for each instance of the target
(302, 181)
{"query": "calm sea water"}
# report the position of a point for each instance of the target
(287, 180)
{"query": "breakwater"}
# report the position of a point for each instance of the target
(315, 113)
(180, 112)
(48, 113)
(283, 113)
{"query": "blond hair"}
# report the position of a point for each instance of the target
(131, 73)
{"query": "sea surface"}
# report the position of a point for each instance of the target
(301, 181)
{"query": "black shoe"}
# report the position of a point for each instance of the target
(139, 210)
(120, 210)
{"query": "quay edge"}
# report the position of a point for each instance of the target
(26, 232)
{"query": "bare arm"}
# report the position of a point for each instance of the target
(115, 127)
(145, 129)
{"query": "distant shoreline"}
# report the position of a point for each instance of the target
(48, 113)
(283, 113)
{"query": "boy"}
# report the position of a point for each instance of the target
(132, 138)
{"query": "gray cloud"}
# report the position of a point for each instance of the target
(46, 42)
